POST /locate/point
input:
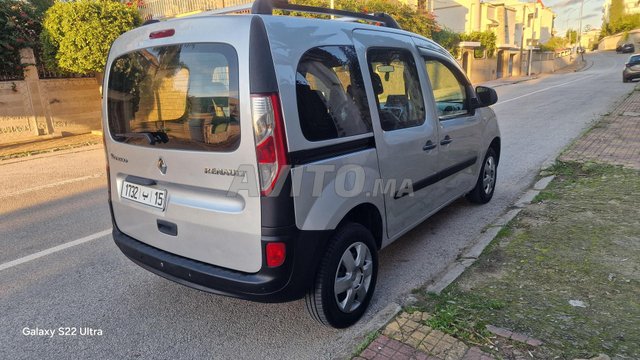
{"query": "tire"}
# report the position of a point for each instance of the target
(486, 183)
(344, 309)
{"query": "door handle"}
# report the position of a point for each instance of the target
(429, 146)
(447, 140)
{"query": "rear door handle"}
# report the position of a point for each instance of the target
(429, 146)
(447, 140)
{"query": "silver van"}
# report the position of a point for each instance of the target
(270, 157)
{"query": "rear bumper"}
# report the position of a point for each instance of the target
(284, 283)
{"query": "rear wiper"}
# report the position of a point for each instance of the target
(151, 136)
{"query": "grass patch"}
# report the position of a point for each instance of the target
(582, 243)
(368, 339)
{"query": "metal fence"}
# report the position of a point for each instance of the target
(158, 9)
(11, 76)
(44, 73)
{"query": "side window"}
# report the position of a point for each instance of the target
(397, 87)
(449, 93)
(332, 102)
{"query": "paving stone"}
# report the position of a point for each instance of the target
(448, 339)
(395, 345)
(406, 349)
(499, 331)
(614, 140)
(413, 342)
(382, 339)
(387, 351)
(416, 316)
(534, 342)
(410, 324)
(457, 351)
(368, 353)
(519, 337)
(423, 329)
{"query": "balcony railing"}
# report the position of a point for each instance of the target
(159, 9)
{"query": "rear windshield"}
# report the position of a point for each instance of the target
(176, 97)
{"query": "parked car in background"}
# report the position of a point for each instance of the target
(625, 48)
(631, 68)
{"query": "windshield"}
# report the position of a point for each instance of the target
(176, 97)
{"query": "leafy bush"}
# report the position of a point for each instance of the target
(19, 27)
(77, 35)
(487, 41)
(448, 39)
(623, 23)
(553, 44)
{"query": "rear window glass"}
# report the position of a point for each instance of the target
(176, 97)
(332, 102)
(634, 59)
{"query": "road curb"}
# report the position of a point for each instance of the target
(380, 319)
(472, 252)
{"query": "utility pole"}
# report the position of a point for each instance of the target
(580, 32)
(524, 12)
(533, 27)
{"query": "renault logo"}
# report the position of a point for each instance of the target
(162, 166)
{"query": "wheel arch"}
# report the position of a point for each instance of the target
(495, 145)
(367, 215)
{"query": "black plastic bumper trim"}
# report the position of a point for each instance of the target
(285, 283)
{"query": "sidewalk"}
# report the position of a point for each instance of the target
(50, 145)
(575, 67)
(564, 269)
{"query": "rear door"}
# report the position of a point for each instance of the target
(178, 134)
(405, 131)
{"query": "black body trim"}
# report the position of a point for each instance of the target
(284, 283)
(302, 157)
(441, 175)
(262, 74)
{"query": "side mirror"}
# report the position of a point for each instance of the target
(486, 96)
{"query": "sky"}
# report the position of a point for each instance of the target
(568, 13)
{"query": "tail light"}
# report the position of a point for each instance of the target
(268, 131)
(276, 254)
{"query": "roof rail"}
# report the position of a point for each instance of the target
(266, 7)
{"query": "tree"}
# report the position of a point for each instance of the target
(419, 22)
(553, 44)
(616, 11)
(448, 39)
(77, 35)
(19, 27)
(572, 36)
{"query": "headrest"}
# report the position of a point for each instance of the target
(377, 83)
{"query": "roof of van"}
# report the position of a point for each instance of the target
(301, 22)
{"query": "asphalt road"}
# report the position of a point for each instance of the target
(54, 199)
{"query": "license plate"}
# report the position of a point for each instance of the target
(144, 194)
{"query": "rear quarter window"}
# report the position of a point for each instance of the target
(176, 97)
(331, 98)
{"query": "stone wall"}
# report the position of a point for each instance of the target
(36, 108)
(611, 42)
